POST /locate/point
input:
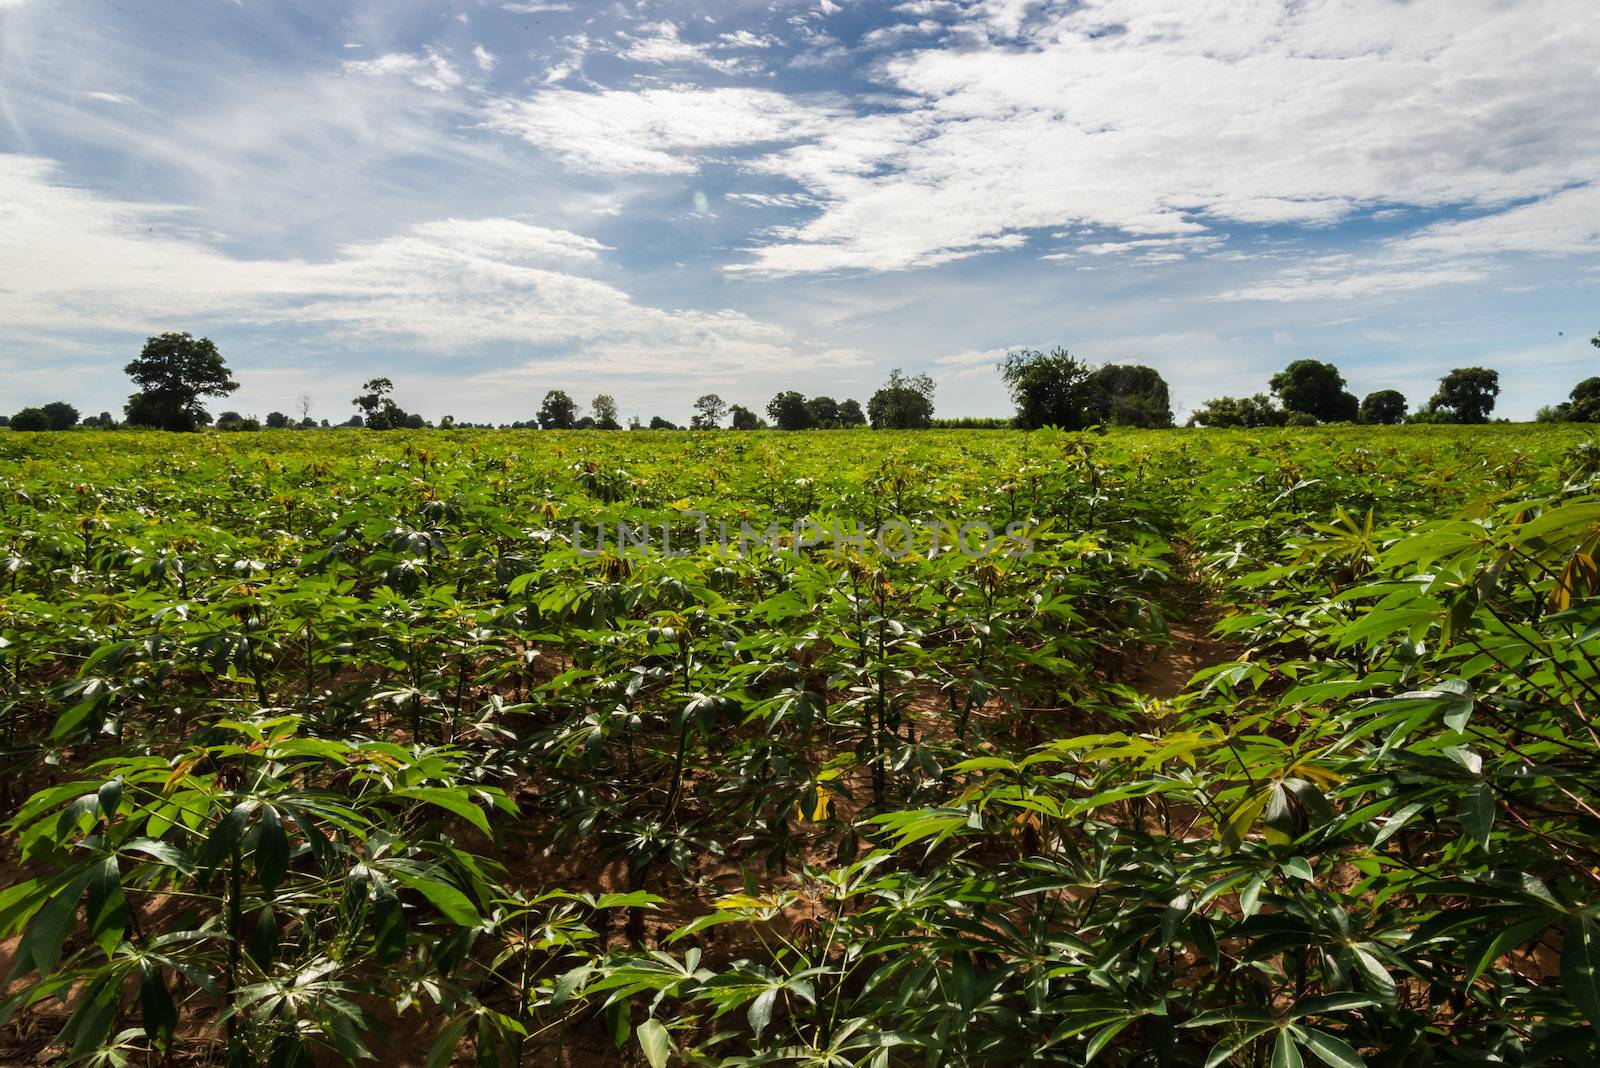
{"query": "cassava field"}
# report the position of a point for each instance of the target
(1247, 748)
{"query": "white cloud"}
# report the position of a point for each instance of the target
(430, 70)
(1152, 119)
(484, 57)
(652, 130)
(109, 98)
(888, 35)
(1567, 222)
(972, 363)
(1446, 253)
(928, 7)
(119, 266)
(745, 39)
(536, 9)
(773, 200)
(662, 44)
(1147, 244)
(1339, 280)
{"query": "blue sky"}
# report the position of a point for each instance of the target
(486, 200)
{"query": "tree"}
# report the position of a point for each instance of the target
(233, 421)
(709, 410)
(1582, 407)
(1128, 394)
(824, 412)
(1586, 401)
(1383, 408)
(658, 423)
(850, 414)
(905, 402)
(5, 420)
(277, 421)
(1048, 388)
(1316, 389)
(62, 415)
(744, 418)
(788, 411)
(303, 402)
(30, 419)
(173, 372)
(1465, 395)
(604, 408)
(1256, 411)
(379, 410)
(558, 412)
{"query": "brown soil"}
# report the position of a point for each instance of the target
(1193, 647)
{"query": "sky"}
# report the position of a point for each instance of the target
(488, 199)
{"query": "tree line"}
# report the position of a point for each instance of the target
(177, 372)
(1308, 392)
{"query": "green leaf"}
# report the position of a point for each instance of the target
(107, 909)
(1376, 974)
(1250, 896)
(655, 1042)
(41, 942)
(456, 801)
(157, 1012)
(1299, 868)
(456, 906)
(272, 850)
(1580, 967)
(1330, 1049)
(1103, 1037)
(1477, 813)
(443, 1050)
(761, 1010)
(1284, 1053)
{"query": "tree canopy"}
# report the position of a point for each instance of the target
(173, 372)
(1582, 405)
(1048, 388)
(62, 415)
(709, 410)
(1465, 395)
(30, 419)
(1254, 411)
(905, 402)
(788, 411)
(558, 412)
(1386, 407)
(1127, 394)
(1315, 388)
(604, 409)
(378, 409)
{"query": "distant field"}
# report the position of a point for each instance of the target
(842, 747)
